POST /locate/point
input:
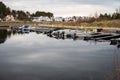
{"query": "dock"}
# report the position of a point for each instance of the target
(90, 37)
(4, 27)
(109, 37)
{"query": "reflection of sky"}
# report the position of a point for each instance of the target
(41, 56)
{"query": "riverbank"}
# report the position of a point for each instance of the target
(97, 24)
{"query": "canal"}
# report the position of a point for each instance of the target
(35, 56)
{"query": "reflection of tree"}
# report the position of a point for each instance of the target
(9, 34)
(3, 36)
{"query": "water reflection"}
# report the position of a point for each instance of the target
(35, 56)
(6, 33)
(3, 36)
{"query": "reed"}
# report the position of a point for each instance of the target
(104, 24)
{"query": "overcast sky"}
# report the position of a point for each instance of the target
(65, 7)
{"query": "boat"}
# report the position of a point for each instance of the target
(25, 29)
(32, 29)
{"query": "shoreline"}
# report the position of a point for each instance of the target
(114, 24)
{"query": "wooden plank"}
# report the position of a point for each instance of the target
(96, 36)
(108, 37)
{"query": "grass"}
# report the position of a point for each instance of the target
(104, 24)
(110, 23)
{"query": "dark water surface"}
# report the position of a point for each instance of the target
(38, 57)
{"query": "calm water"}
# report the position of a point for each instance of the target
(38, 57)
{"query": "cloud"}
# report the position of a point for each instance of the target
(63, 2)
(65, 7)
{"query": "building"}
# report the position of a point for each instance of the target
(67, 19)
(41, 19)
(58, 19)
(9, 18)
(85, 18)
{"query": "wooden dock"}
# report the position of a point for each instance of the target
(4, 27)
(102, 36)
(108, 37)
(96, 36)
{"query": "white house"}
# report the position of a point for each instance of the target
(59, 19)
(9, 18)
(41, 19)
(69, 19)
(85, 18)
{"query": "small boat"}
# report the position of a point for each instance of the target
(19, 29)
(25, 29)
(32, 29)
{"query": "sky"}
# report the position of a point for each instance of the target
(65, 8)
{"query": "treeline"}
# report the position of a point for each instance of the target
(106, 16)
(4, 10)
(113, 16)
(41, 13)
(21, 15)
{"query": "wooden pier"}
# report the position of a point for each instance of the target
(71, 33)
(96, 36)
(102, 36)
(4, 27)
(108, 37)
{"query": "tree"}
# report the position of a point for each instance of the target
(96, 15)
(4, 11)
(49, 14)
(14, 13)
(8, 11)
(42, 13)
(21, 15)
(115, 15)
(28, 14)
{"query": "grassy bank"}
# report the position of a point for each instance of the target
(103, 24)
(109, 23)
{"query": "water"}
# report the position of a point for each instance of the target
(33, 56)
